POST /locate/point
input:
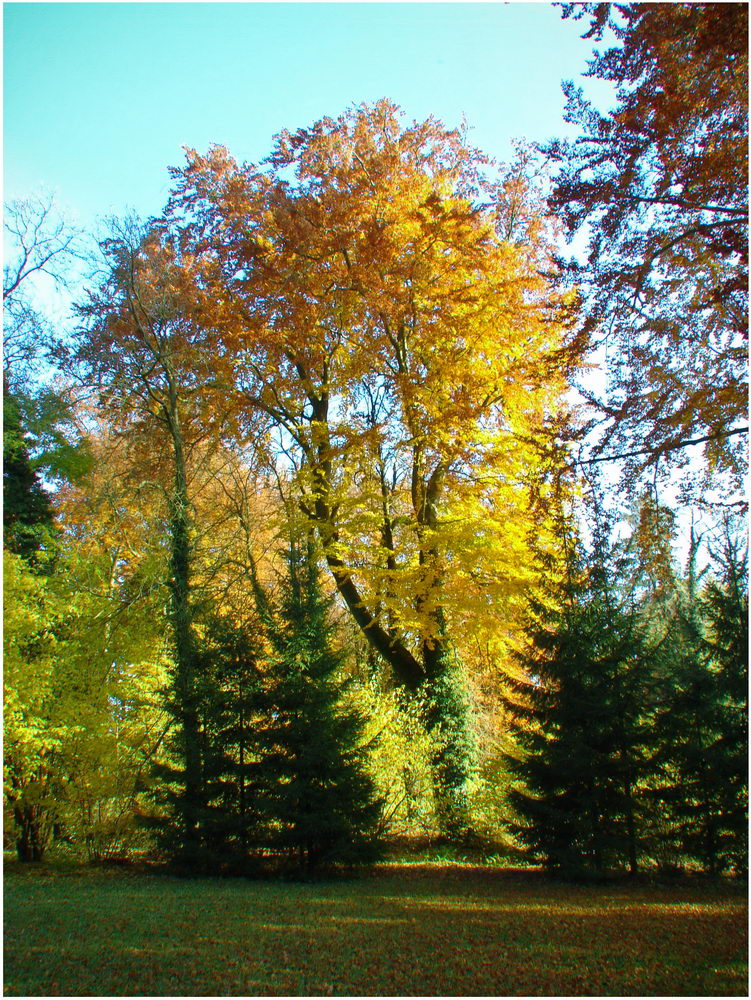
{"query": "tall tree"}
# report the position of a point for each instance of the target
(660, 184)
(151, 361)
(372, 301)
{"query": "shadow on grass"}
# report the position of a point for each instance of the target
(410, 931)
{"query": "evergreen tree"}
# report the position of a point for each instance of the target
(27, 511)
(679, 792)
(725, 609)
(226, 704)
(453, 759)
(701, 788)
(231, 687)
(579, 709)
(180, 827)
(319, 802)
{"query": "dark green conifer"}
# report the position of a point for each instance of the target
(318, 800)
(580, 723)
(703, 724)
(725, 611)
(231, 702)
(27, 511)
(225, 705)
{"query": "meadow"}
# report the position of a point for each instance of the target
(401, 930)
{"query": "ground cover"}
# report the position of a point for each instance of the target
(412, 930)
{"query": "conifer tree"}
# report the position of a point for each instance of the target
(226, 704)
(725, 608)
(579, 707)
(27, 511)
(231, 686)
(700, 788)
(319, 803)
(453, 758)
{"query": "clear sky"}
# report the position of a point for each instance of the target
(100, 98)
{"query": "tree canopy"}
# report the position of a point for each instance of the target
(368, 302)
(308, 558)
(660, 186)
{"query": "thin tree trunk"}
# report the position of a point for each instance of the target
(633, 865)
(185, 653)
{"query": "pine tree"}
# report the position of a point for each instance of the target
(319, 803)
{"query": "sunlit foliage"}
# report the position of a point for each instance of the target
(660, 185)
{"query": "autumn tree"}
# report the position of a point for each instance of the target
(111, 571)
(660, 186)
(81, 670)
(152, 364)
(33, 726)
(372, 302)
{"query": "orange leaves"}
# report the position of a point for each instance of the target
(374, 310)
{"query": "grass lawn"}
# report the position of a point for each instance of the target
(451, 930)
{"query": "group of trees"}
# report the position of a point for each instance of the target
(279, 750)
(314, 480)
(630, 702)
(629, 708)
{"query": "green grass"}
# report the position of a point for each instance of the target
(451, 930)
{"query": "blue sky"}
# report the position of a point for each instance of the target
(99, 98)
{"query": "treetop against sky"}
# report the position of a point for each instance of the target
(100, 99)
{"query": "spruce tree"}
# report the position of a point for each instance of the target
(580, 722)
(230, 705)
(319, 803)
(226, 703)
(445, 708)
(700, 790)
(725, 609)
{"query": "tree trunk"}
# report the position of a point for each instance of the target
(633, 865)
(181, 620)
(35, 828)
(434, 672)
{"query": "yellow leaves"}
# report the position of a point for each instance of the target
(373, 308)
